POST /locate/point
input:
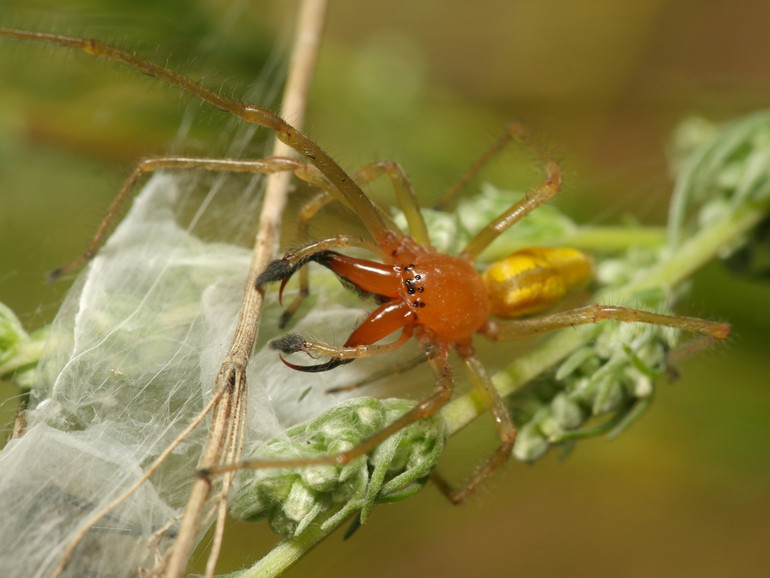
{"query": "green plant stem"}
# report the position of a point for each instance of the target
(615, 238)
(288, 551)
(585, 238)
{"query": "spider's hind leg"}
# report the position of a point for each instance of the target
(506, 431)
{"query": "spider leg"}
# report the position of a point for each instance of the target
(306, 212)
(521, 328)
(382, 374)
(294, 343)
(427, 407)
(505, 430)
(540, 195)
(511, 132)
(684, 351)
(343, 187)
(405, 196)
(149, 165)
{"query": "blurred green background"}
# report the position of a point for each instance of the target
(431, 84)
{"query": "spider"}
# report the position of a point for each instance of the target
(443, 301)
(440, 300)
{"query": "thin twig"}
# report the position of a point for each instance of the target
(231, 381)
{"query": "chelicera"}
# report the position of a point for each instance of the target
(441, 300)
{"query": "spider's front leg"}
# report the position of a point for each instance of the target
(295, 343)
(284, 269)
(405, 196)
(147, 166)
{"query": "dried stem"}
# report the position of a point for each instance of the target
(224, 437)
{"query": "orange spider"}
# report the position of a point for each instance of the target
(442, 300)
(439, 299)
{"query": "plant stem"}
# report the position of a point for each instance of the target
(288, 551)
(615, 238)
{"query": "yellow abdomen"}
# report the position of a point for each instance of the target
(534, 279)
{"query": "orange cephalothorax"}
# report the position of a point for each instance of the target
(446, 295)
(438, 292)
